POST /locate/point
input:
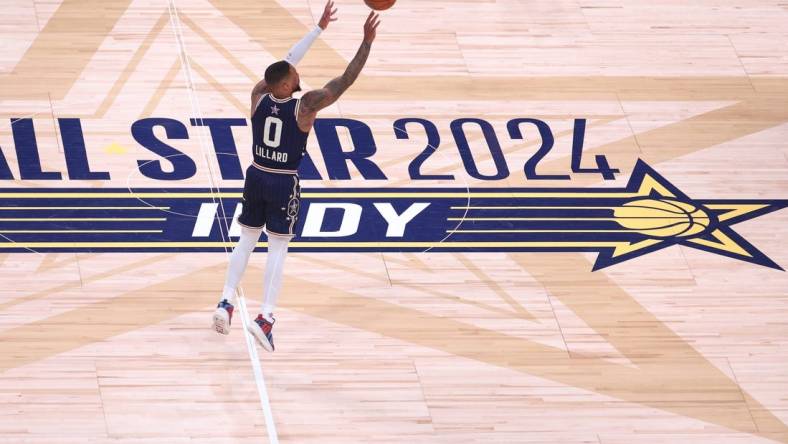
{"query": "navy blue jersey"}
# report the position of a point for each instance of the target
(278, 142)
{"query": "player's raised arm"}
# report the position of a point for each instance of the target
(299, 50)
(315, 100)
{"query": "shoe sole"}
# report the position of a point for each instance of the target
(259, 336)
(221, 321)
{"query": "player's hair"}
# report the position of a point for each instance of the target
(276, 72)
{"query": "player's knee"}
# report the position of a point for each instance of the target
(279, 239)
(249, 238)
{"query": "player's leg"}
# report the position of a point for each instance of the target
(252, 219)
(223, 315)
(262, 326)
(239, 260)
(274, 269)
(281, 220)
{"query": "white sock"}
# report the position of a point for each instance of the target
(238, 260)
(274, 266)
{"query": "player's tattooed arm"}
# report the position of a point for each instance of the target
(315, 100)
(257, 92)
(321, 98)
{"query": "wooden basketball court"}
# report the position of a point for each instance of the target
(503, 340)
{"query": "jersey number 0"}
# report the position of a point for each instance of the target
(272, 131)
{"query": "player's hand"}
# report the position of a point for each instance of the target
(328, 15)
(371, 27)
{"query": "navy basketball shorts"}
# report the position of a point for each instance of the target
(271, 200)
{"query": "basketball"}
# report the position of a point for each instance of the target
(380, 5)
(662, 218)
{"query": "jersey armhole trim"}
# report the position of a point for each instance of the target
(259, 102)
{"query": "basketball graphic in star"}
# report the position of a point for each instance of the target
(662, 218)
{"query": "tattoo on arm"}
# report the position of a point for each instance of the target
(316, 100)
(258, 90)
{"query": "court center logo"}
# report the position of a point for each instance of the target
(620, 224)
(647, 215)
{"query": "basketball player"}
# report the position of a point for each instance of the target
(280, 127)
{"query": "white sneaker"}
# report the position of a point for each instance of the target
(261, 328)
(223, 317)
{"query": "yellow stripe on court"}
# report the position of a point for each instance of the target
(33, 245)
(85, 208)
(353, 194)
(77, 231)
(533, 208)
(83, 219)
(540, 231)
(114, 195)
(565, 219)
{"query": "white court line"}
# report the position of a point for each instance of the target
(251, 346)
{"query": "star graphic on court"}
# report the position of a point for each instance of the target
(647, 215)
(275, 110)
(709, 226)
